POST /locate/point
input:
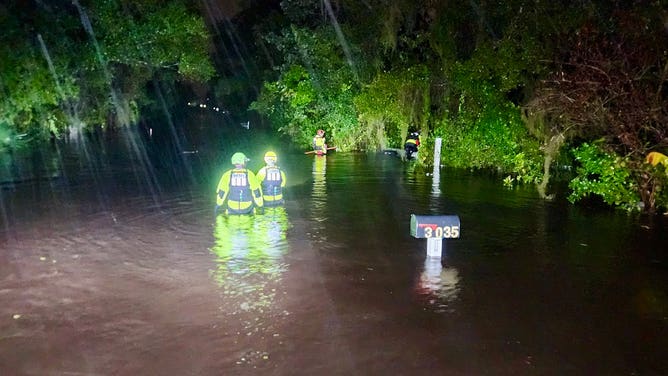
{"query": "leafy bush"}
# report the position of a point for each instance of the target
(494, 140)
(606, 175)
(314, 90)
(393, 102)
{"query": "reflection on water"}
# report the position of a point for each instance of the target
(438, 285)
(319, 186)
(319, 197)
(249, 260)
(28, 165)
(436, 183)
(136, 288)
(249, 267)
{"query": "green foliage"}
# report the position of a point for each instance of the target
(52, 76)
(484, 64)
(606, 175)
(469, 72)
(152, 35)
(314, 91)
(289, 103)
(496, 139)
(459, 70)
(391, 103)
(28, 87)
(30, 94)
(485, 130)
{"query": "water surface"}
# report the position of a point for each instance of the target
(117, 266)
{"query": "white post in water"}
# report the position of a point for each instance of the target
(435, 184)
(437, 155)
(434, 247)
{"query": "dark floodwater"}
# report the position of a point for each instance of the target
(117, 266)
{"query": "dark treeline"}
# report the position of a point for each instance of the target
(527, 90)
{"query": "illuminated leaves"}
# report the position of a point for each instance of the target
(153, 35)
(606, 175)
(314, 90)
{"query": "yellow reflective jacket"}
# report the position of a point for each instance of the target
(272, 179)
(319, 143)
(239, 191)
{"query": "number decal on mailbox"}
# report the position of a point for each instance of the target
(441, 232)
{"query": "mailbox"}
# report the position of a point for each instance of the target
(435, 226)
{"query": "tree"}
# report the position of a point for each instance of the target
(315, 89)
(611, 85)
(70, 63)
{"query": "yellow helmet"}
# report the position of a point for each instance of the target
(270, 155)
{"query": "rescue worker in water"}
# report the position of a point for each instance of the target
(238, 190)
(319, 143)
(272, 180)
(412, 144)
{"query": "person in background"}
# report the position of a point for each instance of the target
(319, 144)
(412, 144)
(272, 180)
(238, 190)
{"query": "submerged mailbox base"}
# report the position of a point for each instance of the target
(434, 247)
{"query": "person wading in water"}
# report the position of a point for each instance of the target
(238, 190)
(319, 144)
(272, 180)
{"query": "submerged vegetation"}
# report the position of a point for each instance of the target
(524, 90)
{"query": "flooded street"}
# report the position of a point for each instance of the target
(119, 267)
